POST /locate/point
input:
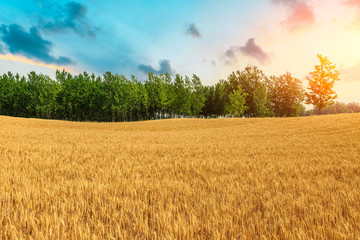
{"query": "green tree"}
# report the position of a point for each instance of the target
(119, 97)
(144, 99)
(179, 95)
(253, 81)
(321, 83)
(286, 95)
(220, 98)
(8, 92)
(162, 93)
(209, 105)
(237, 100)
(197, 96)
(152, 92)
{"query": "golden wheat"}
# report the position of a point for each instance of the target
(296, 178)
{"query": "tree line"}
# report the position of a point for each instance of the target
(336, 108)
(114, 97)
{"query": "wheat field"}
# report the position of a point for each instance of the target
(290, 178)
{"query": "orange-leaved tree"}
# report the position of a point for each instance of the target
(321, 83)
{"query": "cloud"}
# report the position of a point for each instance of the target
(212, 62)
(283, 1)
(231, 52)
(71, 17)
(352, 3)
(165, 67)
(351, 74)
(2, 50)
(300, 13)
(193, 31)
(30, 44)
(253, 50)
(250, 49)
(21, 59)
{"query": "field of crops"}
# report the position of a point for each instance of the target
(290, 178)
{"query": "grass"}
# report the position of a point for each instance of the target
(295, 178)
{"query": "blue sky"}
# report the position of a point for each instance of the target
(128, 37)
(209, 38)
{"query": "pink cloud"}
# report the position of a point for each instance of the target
(350, 74)
(300, 14)
(251, 49)
(352, 2)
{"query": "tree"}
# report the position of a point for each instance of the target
(220, 98)
(253, 81)
(209, 107)
(354, 107)
(336, 108)
(144, 98)
(179, 97)
(198, 96)
(321, 83)
(286, 95)
(237, 100)
(162, 93)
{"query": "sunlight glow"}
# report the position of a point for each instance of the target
(15, 58)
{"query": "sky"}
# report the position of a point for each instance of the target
(204, 37)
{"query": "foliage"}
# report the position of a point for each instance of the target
(321, 83)
(85, 97)
(253, 81)
(197, 96)
(336, 108)
(237, 99)
(114, 97)
(286, 95)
